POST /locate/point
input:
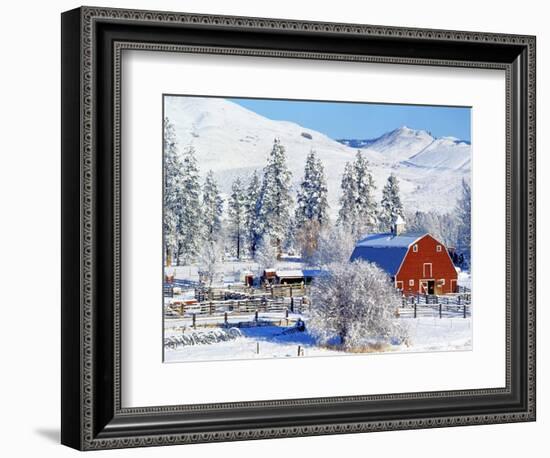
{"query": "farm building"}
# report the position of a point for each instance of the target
(416, 263)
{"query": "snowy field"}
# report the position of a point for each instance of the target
(274, 334)
(426, 335)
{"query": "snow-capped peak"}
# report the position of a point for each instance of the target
(232, 141)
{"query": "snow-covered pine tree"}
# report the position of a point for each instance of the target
(172, 189)
(311, 212)
(464, 215)
(311, 201)
(253, 227)
(212, 208)
(391, 206)
(355, 303)
(275, 199)
(236, 209)
(347, 215)
(358, 211)
(188, 216)
(366, 208)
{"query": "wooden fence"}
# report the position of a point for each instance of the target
(242, 307)
(241, 292)
(434, 310)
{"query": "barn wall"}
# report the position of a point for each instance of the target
(442, 267)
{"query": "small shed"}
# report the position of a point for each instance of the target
(289, 277)
(269, 276)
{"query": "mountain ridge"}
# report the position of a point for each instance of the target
(232, 141)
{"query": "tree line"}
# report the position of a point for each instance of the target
(263, 219)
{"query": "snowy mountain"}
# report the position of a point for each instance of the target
(233, 141)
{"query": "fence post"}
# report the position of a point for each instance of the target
(415, 310)
(286, 314)
(290, 290)
(194, 321)
(464, 310)
(440, 311)
(225, 319)
(210, 308)
(256, 316)
(299, 350)
(292, 304)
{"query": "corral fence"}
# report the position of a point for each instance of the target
(254, 306)
(236, 292)
(428, 305)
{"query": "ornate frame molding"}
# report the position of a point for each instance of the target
(89, 434)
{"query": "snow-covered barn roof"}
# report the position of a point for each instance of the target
(385, 250)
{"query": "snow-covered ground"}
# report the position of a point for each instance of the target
(269, 341)
(230, 271)
(426, 334)
(232, 141)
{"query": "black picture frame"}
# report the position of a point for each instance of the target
(92, 42)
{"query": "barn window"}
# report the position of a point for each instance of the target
(438, 248)
(415, 247)
(411, 282)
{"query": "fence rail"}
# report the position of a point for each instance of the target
(240, 307)
(459, 299)
(434, 310)
(241, 292)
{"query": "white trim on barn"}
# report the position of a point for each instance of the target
(424, 269)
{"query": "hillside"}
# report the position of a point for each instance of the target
(233, 141)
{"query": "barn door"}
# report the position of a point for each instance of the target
(431, 287)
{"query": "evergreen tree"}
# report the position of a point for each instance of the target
(311, 199)
(366, 209)
(237, 215)
(188, 217)
(172, 189)
(312, 205)
(347, 214)
(252, 223)
(358, 210)
(275, 200)
(464, 215)
(212, 208)
(391, 204)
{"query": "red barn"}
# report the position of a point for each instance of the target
(416, 263)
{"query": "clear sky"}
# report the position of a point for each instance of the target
(364, 120)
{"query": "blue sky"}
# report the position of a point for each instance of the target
(364, 120)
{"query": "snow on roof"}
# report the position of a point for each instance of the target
(290, 273)
(385, 250)
(269, 270)
(388, 240)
